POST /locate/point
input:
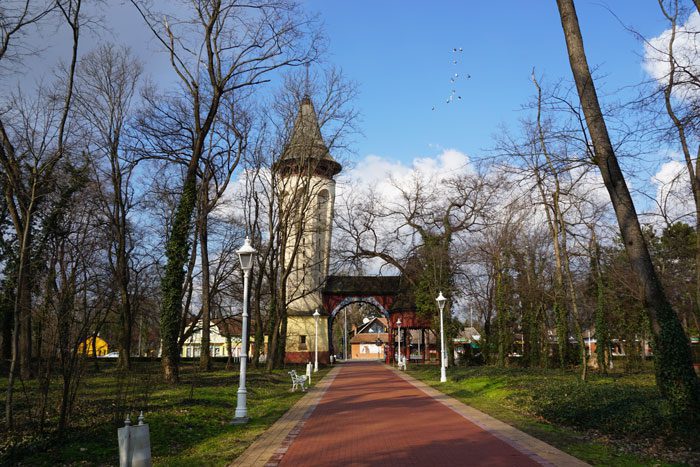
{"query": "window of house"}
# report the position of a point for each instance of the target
(302, 342)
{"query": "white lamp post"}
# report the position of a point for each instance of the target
(441, 305)
(316, 316)
(398, 323)
(245, 255)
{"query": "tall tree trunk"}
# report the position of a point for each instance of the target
(502, 319)
(257, 320)
(21, 333)
(273, 343)
(125, 313)
(266, 260)
(675, 377)
(177, 254)
(5, 330)
(126, 318)
(556, 230)
(205, 353)
(601, 324)
(24, 309)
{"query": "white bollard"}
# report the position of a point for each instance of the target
(309, 368)
(134, 444)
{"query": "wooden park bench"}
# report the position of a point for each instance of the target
(297, 380)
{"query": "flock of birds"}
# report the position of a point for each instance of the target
(455, 77)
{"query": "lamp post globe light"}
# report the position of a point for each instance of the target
(441, 305)
(245, 255)
(316, 315)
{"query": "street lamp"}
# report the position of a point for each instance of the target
(345, 336)
(245, 255)
(398, 323)
(316, 316)
(441, 305)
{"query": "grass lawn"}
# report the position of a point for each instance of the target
(609, 420)
(188, 423)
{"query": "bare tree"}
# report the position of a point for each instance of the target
(105, 85)
(679, 88)
(413, 230)
(674, 372)
(28, 166)
(15, 17)
(228, 144)
(223, 48)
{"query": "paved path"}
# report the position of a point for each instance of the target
(368, 414)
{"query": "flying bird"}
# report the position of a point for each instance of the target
(454, 78)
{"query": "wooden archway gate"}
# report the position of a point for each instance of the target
(387, 293)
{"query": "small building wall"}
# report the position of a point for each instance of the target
(367, 351)
(101, 347)
(194, 349)
(295, 351)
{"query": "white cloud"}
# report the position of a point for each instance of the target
(383, 178)
(382, 174)
(674, 200)
(686, 50)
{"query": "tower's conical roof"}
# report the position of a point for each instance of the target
(306, 146)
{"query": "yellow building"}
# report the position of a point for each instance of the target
(101, 347)
(301, 333)
(220, 332)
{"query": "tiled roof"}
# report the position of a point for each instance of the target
(370, 337)
(364, 326)
(306, 144)
(231, 326)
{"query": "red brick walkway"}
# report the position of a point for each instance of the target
(370, 416)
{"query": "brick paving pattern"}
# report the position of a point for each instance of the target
(372, 416)
(269, 448)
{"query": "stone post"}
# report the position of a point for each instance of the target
(134, 444)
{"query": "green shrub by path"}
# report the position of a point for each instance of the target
(189, 423)
(608, 420)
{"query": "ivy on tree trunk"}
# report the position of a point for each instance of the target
(177, 254)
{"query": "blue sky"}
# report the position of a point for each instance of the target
(400, 54)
